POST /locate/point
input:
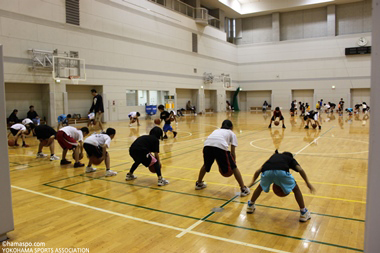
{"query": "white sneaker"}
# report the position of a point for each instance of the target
(305, 216)
(110, 173)
(130, 125)
(130, 177)
(244, 192)
(41, 155)
(90, 169)
(200, 186)
(195, 114)
(251, 207)
(162, 182)
(54, 158)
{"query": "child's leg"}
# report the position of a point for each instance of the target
(256, 194)
(64, 152)
(299, 197)
(76, 154)
(202, 174)
(107, 161)
(40, 146)
(89, 165)
(239, 178)
(134, 167)
(138, 121)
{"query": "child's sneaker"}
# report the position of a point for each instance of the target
(54, 158)
(130, 177)
(90, 169)
(110, 173)
(175, 134)
(251, 207)
(200, 186)
(78, 164)
(65, 162)
(305, 216)
(245, 191)
(41, 155)
(165, 137)
(162, 182)
(306, 127)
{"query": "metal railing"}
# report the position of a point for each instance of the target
(199, 14)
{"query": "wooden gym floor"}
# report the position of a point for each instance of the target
(65, 207)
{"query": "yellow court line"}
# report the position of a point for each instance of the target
(248, 175)
(186, 179)
(229, 185)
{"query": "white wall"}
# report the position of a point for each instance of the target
(210, 99)
(354, 17)
(317, 64)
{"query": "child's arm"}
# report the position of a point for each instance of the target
(257, 174)
(304, 176)
(104, 151)
(157, 157)
(233, 152)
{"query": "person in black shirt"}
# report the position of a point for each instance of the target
(312, 115)
(276, 171)
(32, 114)
(97, 107)
(140, 151)
(341, 105)
(165, 116)
(46, 135)
(13, 119)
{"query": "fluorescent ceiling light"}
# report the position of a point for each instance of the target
(256, 6)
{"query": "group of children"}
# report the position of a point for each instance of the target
(220, 146)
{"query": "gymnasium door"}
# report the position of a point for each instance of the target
(210, 99)
(185, 95)
(22, 95)
(359, 96)
(305, 96)
(256, 98)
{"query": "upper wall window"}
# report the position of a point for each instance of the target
(72, 12)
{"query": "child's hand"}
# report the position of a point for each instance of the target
(311, 188)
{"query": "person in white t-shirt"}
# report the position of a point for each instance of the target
(96, 148)
(18, 130)
(71, 138)
(133, 117)
(216, 148)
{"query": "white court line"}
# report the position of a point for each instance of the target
(152, 222)
(189, 229)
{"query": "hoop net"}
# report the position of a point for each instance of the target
(226, 82)
(74, 79)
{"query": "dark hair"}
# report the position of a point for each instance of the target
(93, 90)
(15, 110)
(137, 113)
(30, 126)
(227, 124)
(68, 116)
(305, 118)
(161, 107)
(31, 106)
(288, 154)
(157, 132)
(277, 108)
(85, 130)
(110, 131)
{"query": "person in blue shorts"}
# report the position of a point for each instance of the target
(63, 120)
(276, 171)
(165, 116)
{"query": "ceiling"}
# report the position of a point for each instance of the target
(248, 8)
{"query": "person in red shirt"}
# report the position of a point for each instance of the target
(277, 114)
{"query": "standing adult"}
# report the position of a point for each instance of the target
(97, 107)
(32, 114)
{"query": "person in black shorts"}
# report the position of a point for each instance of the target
(277, 114)
(332, 106)
(140, 151)
(46, 135)
(216, 147)
(18, 130)
(166, 117)
(341, 105)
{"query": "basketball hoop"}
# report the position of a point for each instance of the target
(226, 82)
(74, 79)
